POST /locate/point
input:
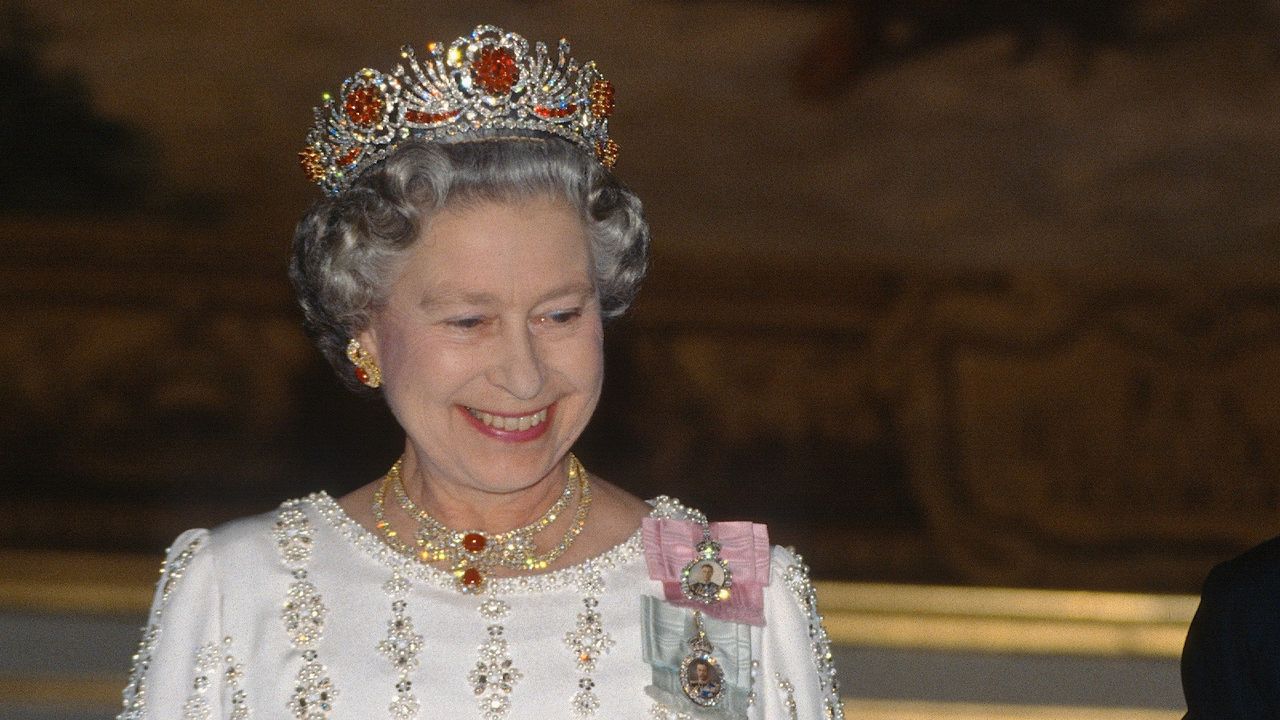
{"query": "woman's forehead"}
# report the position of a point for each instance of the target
(538, 215)
(481, 253)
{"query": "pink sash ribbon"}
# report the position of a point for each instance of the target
(670, 545)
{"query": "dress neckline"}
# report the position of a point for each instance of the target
(369, 544)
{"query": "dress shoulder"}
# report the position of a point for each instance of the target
(799, 671)
(183, 620)
(181, 666)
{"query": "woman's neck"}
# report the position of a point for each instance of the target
(464, 507)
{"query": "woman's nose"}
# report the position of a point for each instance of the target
(518, 368)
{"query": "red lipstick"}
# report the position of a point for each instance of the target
(531, 433)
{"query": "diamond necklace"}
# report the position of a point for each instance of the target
(473, 554)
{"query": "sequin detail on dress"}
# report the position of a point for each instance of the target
(197, 705)
(788, 691)
(135, 693)
(304, 612)
(662, 712)
(494, 676)
(293, 535)
(303, 615)
(401, 646)
(797, 579)
(233, 673)
(588, 641)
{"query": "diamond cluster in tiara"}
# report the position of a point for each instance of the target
(487, 84)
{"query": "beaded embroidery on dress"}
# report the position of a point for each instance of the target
(304, 613)
(171, 572)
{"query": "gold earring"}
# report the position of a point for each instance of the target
(367, 370)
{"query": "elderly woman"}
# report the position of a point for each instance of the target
(470, 246)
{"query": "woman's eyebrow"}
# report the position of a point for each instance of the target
(456, 296)
(573, 288)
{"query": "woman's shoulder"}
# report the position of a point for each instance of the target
(665, 507)
(790, 569)
(248, 538)
(790, 578)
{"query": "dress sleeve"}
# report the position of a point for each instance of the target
(175, 671)
(796, 679)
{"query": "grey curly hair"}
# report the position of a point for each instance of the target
(346, 247)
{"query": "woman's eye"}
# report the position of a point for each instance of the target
(560, 317)
(466, 323)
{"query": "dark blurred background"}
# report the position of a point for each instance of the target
(969, 292)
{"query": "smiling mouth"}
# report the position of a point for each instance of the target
(509, 423)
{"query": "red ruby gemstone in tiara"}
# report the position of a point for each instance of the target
(607, 153)
(362, 375)
(351, 156)
(427, 118)
(551, 113)
(601, 95)
(312, 164)
(364, 106)
(495, 70)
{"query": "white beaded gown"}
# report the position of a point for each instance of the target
(302, 613)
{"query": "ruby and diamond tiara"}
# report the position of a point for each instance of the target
(487, 84)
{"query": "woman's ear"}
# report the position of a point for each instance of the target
(362, 352)
(368, 339)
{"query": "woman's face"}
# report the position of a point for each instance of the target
(490, 343)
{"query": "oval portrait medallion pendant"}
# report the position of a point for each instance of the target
(706, 578)
(701, 676)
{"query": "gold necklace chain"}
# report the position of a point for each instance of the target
(436, 528)
(472, 554)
